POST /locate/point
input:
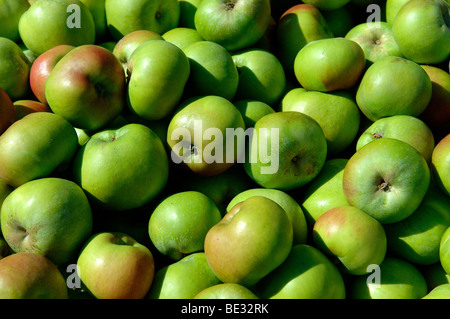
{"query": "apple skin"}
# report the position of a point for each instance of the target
(325, 191)
(44, 26)
(237, 253)
(234, 25)
(307, 273)
(25, 107)
(252, 110)
(444, 251)
(399, 279)
(35, 147)
(97, 9)
(188, 8)
(42, 66)
(226, 291)
(421, 31)
(417, 238)
(183, 279)
(336, 112)
(439, 292)
(329, 64)
(440, 164)
(327, 4)
(261, 76)
(287, 202)
(400, 127)
(178, 225)
(302, 151)
(87, 87)
(392, 9)
(14, 70)
(8, 113)
(182, 37)
(387, 179)
(212, 70)
(30, 276)
(48, 216)
(379, 89)
(356, 239)
(125, 17)
(113, 265)
(122, 168)
(158, 72)
(10, 14)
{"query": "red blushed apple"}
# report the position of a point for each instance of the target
(25, 107)
(41, 68)
(7, 111)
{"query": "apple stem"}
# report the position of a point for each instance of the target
(384, 186)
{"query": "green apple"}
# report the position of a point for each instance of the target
(183, 279)
(8, 113)
(212, 70)
(25, 107)
(336, 112)
(329, 64)
(252, 110)
(226, 291)
(306, 274)
(297, 26)
(10, 14)
(354, 238)
(380, 94)
(340, 20)
(35, 147)
(158, 72)
(392, 9)
(327, 4)
(97, 9)
(178, 225)
(188, 8)
(202, 135)
(325, 191)
(440, 164)
(444, 251)
(30, 276)
(182, 37)
(233, 24)
(286, 201)
(113, 265)
(48, 216)
(417, 238)
(261, 76)
(400, 127)
(124, 17)
(235, 249)
(421, 30)
(387, 179)
(14, 69)
(122, 168)
(287, 150)
(87, 87)
(398, 279)
(48, 23)
(439, 292)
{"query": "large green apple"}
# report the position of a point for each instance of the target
(48, 216)
(421, 29)
(182, 37)
(444, 251)
(35, 147)
(394, 279)
(329, 64)
(306, 274)
(336, 112)
(392, 9)
(213, 71)
(113, 265)
(235, 249)
(10, 13)
(286, 201)
(381, 94)
(202, 135)
(122, 168)
(178, 225)
(30, 276)
(439, 292)
(124, 17)
(157, 74)
(387, 179)
(14, 69)
(183, 279)
(261, 76)
(87, 87)
(327, 4)
(48, 23)
(226, 291)
(400, 127)
(97, 9)
(417, 238)
(233, 24)
(440, 164)
(325, 191)
(252, 110)
(287, 150)
(8, 112)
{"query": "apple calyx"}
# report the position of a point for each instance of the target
(229, 5)
(377, 135)
(384, 186)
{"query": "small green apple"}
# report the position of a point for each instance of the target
(440, 164)
(226, 291)
(253, 110)
(10, 14)
(182, 37)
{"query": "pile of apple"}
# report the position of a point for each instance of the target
(117, 179)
